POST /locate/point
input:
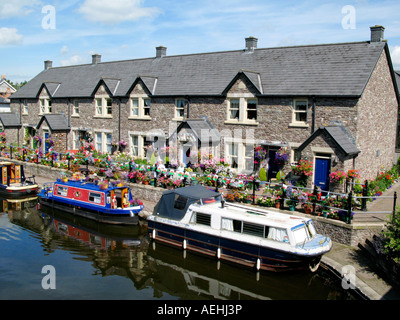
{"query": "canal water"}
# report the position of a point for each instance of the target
(48, 255)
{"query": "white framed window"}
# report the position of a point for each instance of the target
(248, 156)
(25, 107)
(138, 144)
(180, 108)
(134, 145)
(140, 107)
(240, 155)
(233, 154)
(251, 109)
(103, 107)
(242, 110)
(299, 113)
(234, 109)
(76, 143)
(44, 105)
(103, 141)
(75, 108)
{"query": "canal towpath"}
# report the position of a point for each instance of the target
(363, 278)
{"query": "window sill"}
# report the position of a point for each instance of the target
(177, 119)
(75, 115)
(139, 118)
(298, 125)
(246, 123)
(102, 117)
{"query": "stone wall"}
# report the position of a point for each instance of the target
(377, 122)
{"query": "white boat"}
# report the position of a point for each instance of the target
(197, 219)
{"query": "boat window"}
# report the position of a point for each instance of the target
(95, 197)
(231, 225)
(253, 229)
(202, 218)
(62, 191)
(180, 202)
(300, 235)
(311, 228)
(277, 234)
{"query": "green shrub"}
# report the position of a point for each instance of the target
(262, 175)
(392, 237)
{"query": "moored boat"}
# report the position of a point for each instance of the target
(13, 183)
(102, 202)
(197, 219)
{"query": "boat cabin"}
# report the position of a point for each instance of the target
(92, 194)
(11, 173)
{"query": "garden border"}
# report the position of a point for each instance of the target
(339, 231)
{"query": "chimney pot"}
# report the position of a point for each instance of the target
(161, 51)
(251, 44)
(96, 58)
(377, 33)
(48, 64)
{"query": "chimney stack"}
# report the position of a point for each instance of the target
(251, 44)
(161, 52)
(48, 64)
(96, 58)
(377, 33)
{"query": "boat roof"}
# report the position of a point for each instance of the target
(174, 203)
(88, 185)
(193, 192)
(6, 163)
(253, 215)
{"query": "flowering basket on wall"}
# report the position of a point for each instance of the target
(338, 176)
(259, 154)
(282, 155)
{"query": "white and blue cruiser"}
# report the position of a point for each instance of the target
(194, 218)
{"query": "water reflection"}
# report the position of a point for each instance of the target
(126, 252)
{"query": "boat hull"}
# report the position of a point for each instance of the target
(18, 191)
(92, 214)
(234, 251)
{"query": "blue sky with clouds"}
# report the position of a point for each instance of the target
(69, 32)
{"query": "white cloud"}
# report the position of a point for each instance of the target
(73, 60)
(10, 36)
(395, 55)
(64, 50)
(116, 11)
(17, 8)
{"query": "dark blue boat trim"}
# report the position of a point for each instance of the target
(229, 250)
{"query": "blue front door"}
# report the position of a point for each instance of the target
(322, 171)
(46, 144)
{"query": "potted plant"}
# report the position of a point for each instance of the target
(291, 204)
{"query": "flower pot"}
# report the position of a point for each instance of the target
(308, 210)
(277, 205)
(291, 207)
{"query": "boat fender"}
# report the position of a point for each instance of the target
(219, 253)
(153, 234)
(184, 244)
(258, 264)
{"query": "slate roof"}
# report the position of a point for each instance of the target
(322, 70)
(10, 120)
(342, 138)
(56, 122)
(201, 128)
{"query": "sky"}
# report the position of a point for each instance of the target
(69, 32)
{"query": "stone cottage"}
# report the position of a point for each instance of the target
(334, 104)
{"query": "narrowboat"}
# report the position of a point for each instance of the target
(13, 183)
(197, 219)
(112, 204)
